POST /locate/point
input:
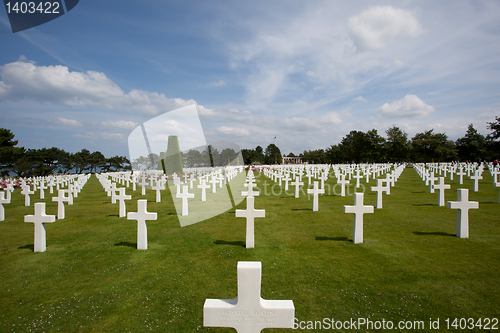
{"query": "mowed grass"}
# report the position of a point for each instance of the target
(93, 279)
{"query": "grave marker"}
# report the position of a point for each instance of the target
(248, 312)
(250, 214)
(185, 195)
(315, 191)
(358, 209)
(39, 219)
(141, 216)
(3, 201)
(463, 205)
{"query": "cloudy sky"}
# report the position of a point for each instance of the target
(306, 72)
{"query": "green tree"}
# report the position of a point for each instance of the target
(374, 150)
(272, 154)
(432, 147)
(397, 145)
(97, 160)
(354, 146)
(9, 153)
(471, 147)
(81, 160)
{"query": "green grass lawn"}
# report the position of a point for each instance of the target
(93, 279)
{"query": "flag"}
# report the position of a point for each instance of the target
(274, 138)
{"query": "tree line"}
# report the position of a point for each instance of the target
(371, 147)
(46, 161)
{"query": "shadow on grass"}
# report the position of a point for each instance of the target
(428, 204)
(134, 245)
(236, 243)
(488, 202)
(436, 233)
(332, 238)
(420, 192)
(29, 246)
(301, 208)
(115, 215)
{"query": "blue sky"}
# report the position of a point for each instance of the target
(307, 72)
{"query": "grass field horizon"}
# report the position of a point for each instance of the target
(411, 265)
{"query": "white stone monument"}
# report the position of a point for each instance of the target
(463, 205)
(379, 189)
(204, 186)
(26, 192)
(185, 195)
(250, 213)
(249, 312)
(441, 186)
(477, 176)
(315, 191)
(3, 201)
(358, 210)
(61, 198)
(39, 219)
(141, 217)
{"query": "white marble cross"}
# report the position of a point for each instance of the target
(343, 182)
(185, 195)
(477, 176)
(323, 178)
(214, 182)
(248, 312)
(42, 188)
(39, 219)
(204, 186)
(463, 205)
(3, 201)
(158, 187)
(143, 184)
(286, 178)
(358, 209)
(26, 192)
(358, 177)
(431, 179)
(250, 213)
(250, 192)
(441, 186)
(121, 197)
(315, 191)
(141, 217)
(297, 184)
(379, 189)
(461, 175)
(61, 198)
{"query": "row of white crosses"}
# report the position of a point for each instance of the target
(462, 204)
(40, 218)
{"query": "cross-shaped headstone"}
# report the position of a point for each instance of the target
(379, 189)
(250, 192)
(185, 195)
(441, 186)
(358, 176)
(39, 219)
(323, 178)
(286, 178)
(42, 188)
(477, 176)
(342, 181)
(214, 182)
(26, 192)
(461, 175)
(158, 187)
(315, 191)
(248, 312)
(61, 198)
(463, 205)
(143, 184)
(358, 209)
(121, 197)
(204, 186)
(297, 184)
(3, 201)
(250, 213)
(431, 179)
(141, 217)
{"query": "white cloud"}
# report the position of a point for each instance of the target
(331, 118)
(219, 83)
(56, 84)
(409, 106)
(101, 135)
(378, 26)
(123, 124)
(233, 130)
(360, 99)
(67, 122)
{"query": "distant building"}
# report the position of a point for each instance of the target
(291, 160)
